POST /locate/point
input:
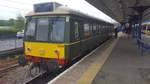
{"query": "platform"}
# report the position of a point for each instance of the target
(125, 65)
(116, 62)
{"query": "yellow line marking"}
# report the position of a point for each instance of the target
(90, 74)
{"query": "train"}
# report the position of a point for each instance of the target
(146, 27)
(55, 35)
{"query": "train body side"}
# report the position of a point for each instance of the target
(75, 44)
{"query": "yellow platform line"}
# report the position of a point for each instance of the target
(90, 74)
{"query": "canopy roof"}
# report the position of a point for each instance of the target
(120, 9)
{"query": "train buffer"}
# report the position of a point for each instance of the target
(114, 62)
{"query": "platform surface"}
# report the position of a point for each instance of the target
(125, 65)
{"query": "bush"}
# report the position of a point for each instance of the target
(7, 31)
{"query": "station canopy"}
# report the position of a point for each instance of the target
(120, 9)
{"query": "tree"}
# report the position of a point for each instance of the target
(10, 22)
(19, 23)
(3, 22)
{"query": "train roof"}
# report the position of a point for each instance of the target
(46, 13)
(62, 10)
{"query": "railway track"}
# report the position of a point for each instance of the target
(30, 81)
(4, 70)
(43, 78)
(9, 65)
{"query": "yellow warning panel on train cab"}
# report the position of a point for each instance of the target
(45, 50)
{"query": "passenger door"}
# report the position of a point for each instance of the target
(75, 46)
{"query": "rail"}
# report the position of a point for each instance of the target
(7, 69)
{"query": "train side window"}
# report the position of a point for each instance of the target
(99, 28)
(86, 30)
(76, 30)
(91, 29)
(94, 28)
(103, 29)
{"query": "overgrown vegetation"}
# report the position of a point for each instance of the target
(7, 31)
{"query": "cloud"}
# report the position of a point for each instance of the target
(11, 8)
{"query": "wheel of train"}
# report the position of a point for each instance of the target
(52, 66)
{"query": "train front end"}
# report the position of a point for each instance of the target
(45, 39)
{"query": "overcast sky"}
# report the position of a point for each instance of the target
(12, 8)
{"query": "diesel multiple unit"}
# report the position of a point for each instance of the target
(56, 35)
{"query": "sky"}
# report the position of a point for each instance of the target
(13, 8)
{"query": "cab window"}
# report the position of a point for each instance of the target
(30, 30)
(42, 29)
(57, 29)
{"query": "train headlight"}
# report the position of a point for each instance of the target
(29, 49)
(56, 52)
